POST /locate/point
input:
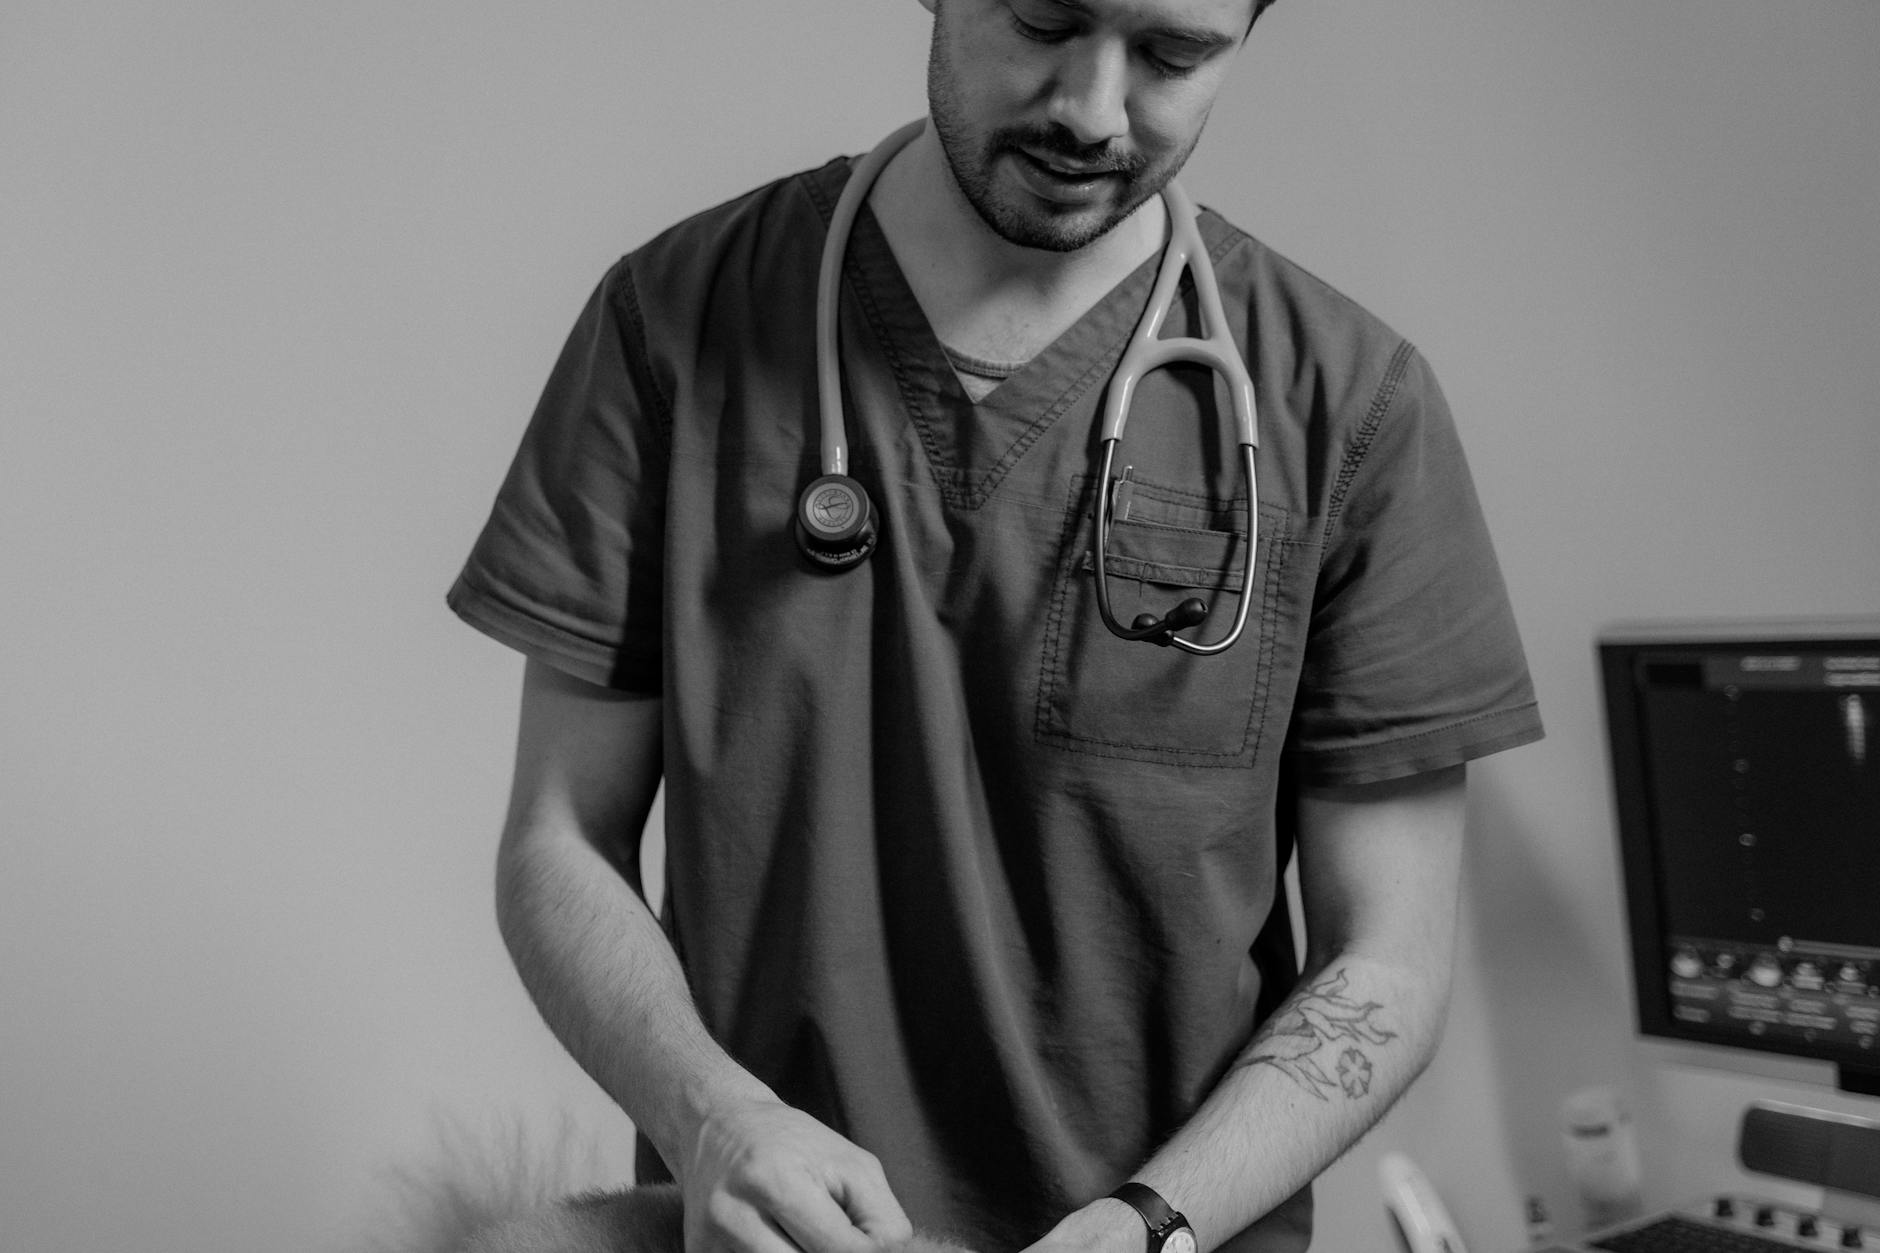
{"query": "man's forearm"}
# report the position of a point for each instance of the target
(755, 1174)
(605, 978)
(1379, 873)
(1316, 1076)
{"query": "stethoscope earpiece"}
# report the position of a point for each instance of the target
(835, 522)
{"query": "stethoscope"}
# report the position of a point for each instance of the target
(836, 524)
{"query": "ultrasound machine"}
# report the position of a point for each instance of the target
(1746, 774)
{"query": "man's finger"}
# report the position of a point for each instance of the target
(813, 1219)
(870, 1204)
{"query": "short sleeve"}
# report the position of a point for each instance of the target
(1413, 661)
(568, 568)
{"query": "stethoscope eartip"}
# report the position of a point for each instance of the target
(1191, 612)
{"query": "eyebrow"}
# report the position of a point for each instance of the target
(1205, 38)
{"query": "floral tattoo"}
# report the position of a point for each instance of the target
(1299, 1039)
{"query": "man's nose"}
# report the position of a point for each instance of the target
(1091, 95)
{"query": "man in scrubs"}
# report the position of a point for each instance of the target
(973, 910)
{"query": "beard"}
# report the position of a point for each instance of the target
(1017, 216)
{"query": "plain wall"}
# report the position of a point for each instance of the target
(279, 284)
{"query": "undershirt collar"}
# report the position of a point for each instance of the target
(979, 375)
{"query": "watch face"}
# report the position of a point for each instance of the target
(1180, 1240)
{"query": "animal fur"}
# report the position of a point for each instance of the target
(631, 1220)
(516, 1202)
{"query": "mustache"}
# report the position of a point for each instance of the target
(1053, 140)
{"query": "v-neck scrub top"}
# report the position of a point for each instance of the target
(988, 890)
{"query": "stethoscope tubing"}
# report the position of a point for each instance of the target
(835, 435)
(1147, 350)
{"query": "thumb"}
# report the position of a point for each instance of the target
(871, 1206)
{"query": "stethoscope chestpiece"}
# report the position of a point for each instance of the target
(835, 523)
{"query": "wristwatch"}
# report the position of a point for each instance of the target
(1169, 1232)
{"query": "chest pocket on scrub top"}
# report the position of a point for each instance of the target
(1122, 698)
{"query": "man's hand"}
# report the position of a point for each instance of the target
(766, 1178)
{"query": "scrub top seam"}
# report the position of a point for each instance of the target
(638, 353)
(1366, 434)
(900, 367)
(958, 485)
(1396, 755)
(985, 367)
(485, 603)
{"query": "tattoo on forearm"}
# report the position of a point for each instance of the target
(1320, 1028)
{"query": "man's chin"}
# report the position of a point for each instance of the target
(1058, 240)
(1053, 228)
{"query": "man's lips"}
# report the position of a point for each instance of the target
(1055, 179)
(1069, 170)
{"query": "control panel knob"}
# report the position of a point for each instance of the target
(1808, 1226)
(1765, 1215)
(1724, 1208)
(1850, 1237)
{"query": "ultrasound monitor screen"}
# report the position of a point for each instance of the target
(1748, 776)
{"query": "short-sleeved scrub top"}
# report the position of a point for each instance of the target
(991, 892)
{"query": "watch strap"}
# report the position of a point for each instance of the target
(1158, 1215)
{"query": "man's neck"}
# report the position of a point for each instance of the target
(983, 295)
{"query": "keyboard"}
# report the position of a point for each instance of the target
(1730, 1224)
(1676, 1234)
